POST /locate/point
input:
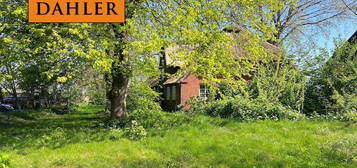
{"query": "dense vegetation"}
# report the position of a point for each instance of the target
(332, 90)
(88, 95)
(43, 139)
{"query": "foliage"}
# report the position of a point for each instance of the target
(147, 120)
(115, 134)
(59, 53)
(4, 161)
(145, 113)
(194, 30)
(135, 131)
(39, 59)
(276, 91)
(97, 97)
(280, 82)
(245, 109)
(333, 89)
(142, 97)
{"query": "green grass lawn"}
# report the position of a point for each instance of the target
(45, 140)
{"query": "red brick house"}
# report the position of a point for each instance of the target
(176, 91)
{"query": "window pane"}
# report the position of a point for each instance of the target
(203, 91)
(173, 93)
(167, 97)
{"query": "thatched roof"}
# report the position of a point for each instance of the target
(237, 51)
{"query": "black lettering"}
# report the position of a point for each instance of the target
(97, 8)
(69, 8)
(86, 9)
(39, 8)
(111, 6)
(57, 8)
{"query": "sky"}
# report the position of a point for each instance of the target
(318, 39)
(343, 30)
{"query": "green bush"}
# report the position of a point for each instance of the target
(144, 113)
(135, 131)
(135, 126)
(115, 134)
(245, 109)
(4, 161)
(333, 89)
(142, 97)
(63, 109)
(98, 97)
(149, 119)
(279, 82)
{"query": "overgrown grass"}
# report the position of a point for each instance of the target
(40, 139)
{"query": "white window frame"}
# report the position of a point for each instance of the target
(203, 95)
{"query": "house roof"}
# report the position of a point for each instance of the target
(353, 38)
(237, 51)
(176, 79)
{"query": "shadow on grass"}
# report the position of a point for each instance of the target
(41, 128)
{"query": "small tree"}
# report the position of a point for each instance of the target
(333, 89)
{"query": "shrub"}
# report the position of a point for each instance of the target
(279, 82)
(134, 127)
(144, 113)
(245, 109)
(333, 89)
(135, 131)
(142, 97)
(148, 119)
(63, 109)
(98, 97)
(4, 161)
(350, 116)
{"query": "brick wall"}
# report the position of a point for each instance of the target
(189, 88)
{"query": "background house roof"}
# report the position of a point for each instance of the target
(353, 38)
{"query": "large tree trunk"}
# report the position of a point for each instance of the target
(120, 74)
(118, 95)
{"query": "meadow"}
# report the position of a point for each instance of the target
(39, 138)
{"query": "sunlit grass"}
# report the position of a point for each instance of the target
(74, 141)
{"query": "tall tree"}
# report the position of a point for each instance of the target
(112, 39)
(351, 6)
(127, 50)
(297, 15)
(56, 50)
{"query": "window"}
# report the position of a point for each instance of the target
(173, 93)
(204, 92)
(167, 96)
